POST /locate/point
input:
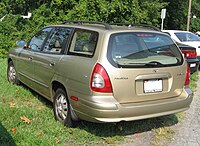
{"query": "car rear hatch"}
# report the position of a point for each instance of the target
(145, 67)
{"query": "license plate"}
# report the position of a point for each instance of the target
(151, 86)
(193, 65)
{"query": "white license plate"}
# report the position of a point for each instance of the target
(151, 86)
(193, 65)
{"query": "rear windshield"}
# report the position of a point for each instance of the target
(143, 50)
(187, 37)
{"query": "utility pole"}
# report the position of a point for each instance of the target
(189, 15)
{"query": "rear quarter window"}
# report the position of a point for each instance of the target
(83, 43)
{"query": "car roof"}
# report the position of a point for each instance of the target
(100, 26)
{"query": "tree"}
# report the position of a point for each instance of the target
(176, 17)
(195, 22)
(132, 11)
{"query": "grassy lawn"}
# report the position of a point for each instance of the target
(27, 119)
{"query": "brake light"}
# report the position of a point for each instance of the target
(144, 35)
(100, 81)
(189, 54)
(187, 79)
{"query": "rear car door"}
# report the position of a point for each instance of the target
(45, 61)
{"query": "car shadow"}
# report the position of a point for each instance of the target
(117, 129)
(36, 95)
(5, 138)
(128, 128)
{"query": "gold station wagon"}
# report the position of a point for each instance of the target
(103, 73)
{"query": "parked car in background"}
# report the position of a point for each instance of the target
(190, 55)
(103, 73)
(187, 38)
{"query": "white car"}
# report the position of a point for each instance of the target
(198, 33)
(185, 37)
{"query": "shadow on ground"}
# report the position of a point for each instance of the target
(121, 128)
(128, 128)
(5, 137)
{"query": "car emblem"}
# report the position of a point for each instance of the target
(180, 74)
(155, 70)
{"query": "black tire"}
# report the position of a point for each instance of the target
(12, 74)
(62, 110)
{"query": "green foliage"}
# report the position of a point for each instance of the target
(195, 24)
(8, 34)
(151, 11)
(22, 6)
(3, 53)
(177, 14)
(2, 9)
(45, 12)
(132, 11)
(196, 8)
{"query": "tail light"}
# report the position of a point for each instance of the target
(100, 81)
(187, 79)
(189, 53)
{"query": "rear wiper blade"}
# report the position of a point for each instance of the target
(145, 64)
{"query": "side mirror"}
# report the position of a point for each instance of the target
(21, 43)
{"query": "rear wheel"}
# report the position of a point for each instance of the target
(12, 74)
(62, 110)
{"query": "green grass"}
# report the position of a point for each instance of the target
(44, 130)
(193, 81)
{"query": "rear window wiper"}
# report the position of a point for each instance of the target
(152, 64)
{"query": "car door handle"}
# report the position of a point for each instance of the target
(30, 58)
(51, 64)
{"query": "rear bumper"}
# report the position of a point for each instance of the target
(115, 112)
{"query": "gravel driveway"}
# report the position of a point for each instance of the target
(188, 132)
